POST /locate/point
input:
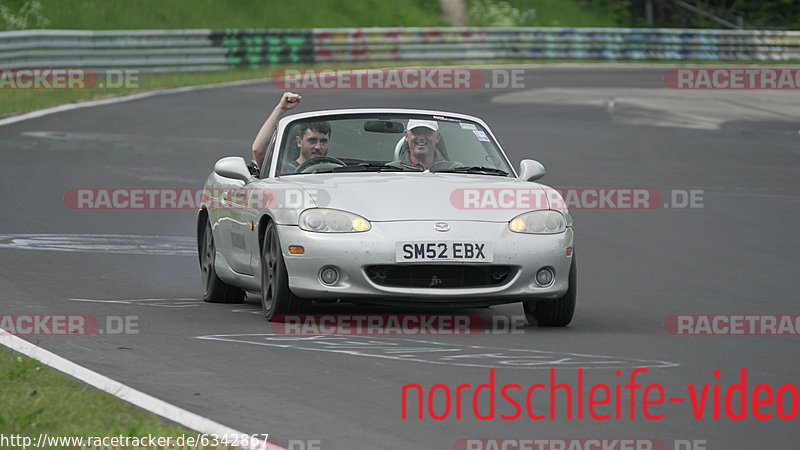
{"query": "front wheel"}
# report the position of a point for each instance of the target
(276, 298)
(555, 313)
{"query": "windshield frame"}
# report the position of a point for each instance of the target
(286, 124)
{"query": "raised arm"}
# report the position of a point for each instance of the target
(288, 101)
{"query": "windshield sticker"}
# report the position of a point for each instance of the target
(468, 126)
(447, 119)
(481, 136)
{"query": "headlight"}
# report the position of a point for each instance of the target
(538, 222)
(324, 220)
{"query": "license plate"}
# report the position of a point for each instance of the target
(467, 251)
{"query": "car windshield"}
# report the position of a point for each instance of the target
(379, 143)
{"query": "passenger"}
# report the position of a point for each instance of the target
(422, 136)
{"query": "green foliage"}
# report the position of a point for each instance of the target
(538, 13)
(770, 13)
(756, 14)
(19, 15)
(216, 14)
(498, 13)
(619, 9)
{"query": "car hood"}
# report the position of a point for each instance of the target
(390, 196)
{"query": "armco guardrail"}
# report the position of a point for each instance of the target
(339, 45)
(175, 50)
(155, 50)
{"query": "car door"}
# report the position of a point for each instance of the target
(225, 213)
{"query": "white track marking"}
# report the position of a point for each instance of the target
(693, 109)
(124, 392)
(432, 352)
(102, 243)
(183, 302)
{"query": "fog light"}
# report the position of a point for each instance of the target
(329, 275)
(544, 276)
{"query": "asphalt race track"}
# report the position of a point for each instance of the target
(736, 253)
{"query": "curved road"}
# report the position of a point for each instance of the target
(592, 127)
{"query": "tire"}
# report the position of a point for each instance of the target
(276, 297)
(214, 289)
(555, 313)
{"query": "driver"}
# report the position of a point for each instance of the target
(312, 140)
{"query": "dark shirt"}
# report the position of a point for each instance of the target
(291, 166)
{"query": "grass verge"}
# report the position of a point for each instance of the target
(24, 100)
(38, 399)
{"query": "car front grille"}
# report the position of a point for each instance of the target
(439, 276)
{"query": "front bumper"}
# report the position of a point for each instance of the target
(351, 253)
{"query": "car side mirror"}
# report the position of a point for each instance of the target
(233, 167)
(530, 170)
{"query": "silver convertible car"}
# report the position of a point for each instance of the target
(376, 220)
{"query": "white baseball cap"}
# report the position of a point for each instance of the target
(415, 123)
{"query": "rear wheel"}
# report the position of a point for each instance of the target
(276, 298)
(214, 289)
(555, 313)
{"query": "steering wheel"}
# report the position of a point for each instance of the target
(303, 168)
